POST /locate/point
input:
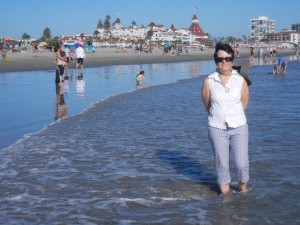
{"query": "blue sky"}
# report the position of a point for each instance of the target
(216, 17)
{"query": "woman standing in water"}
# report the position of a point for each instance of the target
(60, 62)
(225, 95)
(139, 78)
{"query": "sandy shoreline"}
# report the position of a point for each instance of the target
(29, 61)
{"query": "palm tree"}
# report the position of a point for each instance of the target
(25, 36)
(82, 36)
(47, 34)
(133, 23)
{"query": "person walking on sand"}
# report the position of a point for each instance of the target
(225, 95)
(80, 55)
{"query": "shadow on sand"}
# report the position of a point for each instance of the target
(189, 167)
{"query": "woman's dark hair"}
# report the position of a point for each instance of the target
(56, 48)
(225, 47)
(142, 72)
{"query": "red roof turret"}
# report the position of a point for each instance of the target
(195, 27)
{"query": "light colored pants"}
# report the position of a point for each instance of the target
(234, 140)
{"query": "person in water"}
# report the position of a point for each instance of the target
(225, 95)
(140, 77)
(282, 64)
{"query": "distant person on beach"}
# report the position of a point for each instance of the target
(141, 51)
(276, 69)
(3, 54)
(225, 95)
(59, 61)
(274, 51)
(80, 55)
(67, 55)
(282, 64)
(271, 51)
(72, 54)
(251, 63)
(139, 78)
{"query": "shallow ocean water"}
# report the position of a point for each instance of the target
(29, 99)
(143, 157)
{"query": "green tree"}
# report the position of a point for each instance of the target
(96, 33)
(100, 24)
(46, 34)
(107, 24)
(133, 23)
(26, 36)
(208, 36)
(150, 32)
(231, 40)
(54, 41)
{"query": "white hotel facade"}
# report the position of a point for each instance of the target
(160, 33)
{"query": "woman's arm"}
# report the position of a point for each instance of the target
(206, 94)
(58, 55)
(54, 57)
(245, 95)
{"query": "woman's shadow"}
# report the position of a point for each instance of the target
(189, 167)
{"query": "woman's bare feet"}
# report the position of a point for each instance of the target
(225, 189)
(243, 187)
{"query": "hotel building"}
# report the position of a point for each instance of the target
(261, 27)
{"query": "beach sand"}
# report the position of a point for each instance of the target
(29, 61)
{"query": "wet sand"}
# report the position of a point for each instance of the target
(29, 61)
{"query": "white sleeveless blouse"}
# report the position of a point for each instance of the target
(226, 108)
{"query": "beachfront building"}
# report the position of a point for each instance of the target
(296, 27)
(161, 34)
(158, 33)
(122, 34)
(196, 29)
(127, 33)
(285, 36)
(184, 35)
(261, 27)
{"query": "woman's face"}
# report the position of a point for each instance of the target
(224, 61)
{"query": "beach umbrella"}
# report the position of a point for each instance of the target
(42, 44)
(9, 39)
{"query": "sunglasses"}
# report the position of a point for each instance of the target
(227, 59)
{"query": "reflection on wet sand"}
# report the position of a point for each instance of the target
(61, 109)
(80, 86)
